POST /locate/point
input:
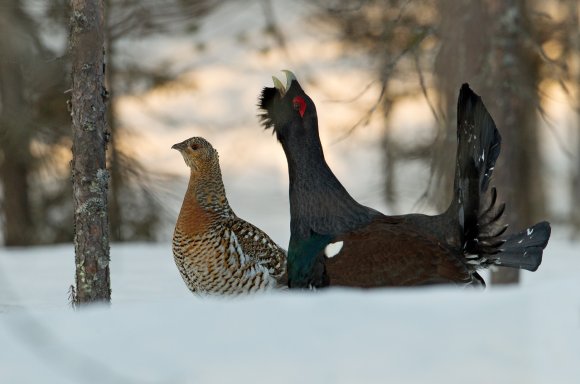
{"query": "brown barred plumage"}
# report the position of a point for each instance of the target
(216, 252)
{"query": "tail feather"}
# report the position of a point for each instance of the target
(524, 249)
(492, 217)
(493, 199)
(478, 147)
(478, 138)
(475, 208)
(498, 232)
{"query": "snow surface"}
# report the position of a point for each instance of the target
(157, 332)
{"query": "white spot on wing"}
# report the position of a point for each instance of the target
(333, 249)
(529, 231)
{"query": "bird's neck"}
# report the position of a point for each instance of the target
(318, 201)
(205, 197)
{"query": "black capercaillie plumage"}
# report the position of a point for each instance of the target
(379, 250)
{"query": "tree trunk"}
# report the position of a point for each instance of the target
(460, 60)
(482, 45)
(89, 174)
(18, 229)
(512, 100)
(16, 161)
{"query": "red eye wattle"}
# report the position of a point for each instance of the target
(299, 104)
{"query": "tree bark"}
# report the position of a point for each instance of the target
(89, 174)
(482, 44)
(16, 161)
(512, 100)
(460, 60)
(15, 158)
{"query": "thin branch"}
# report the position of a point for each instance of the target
(364, 121)
(424, 89)
(386, 75)
(356, 97)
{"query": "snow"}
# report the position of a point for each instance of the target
(157, 332)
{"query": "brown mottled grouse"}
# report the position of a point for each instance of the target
(216, 251)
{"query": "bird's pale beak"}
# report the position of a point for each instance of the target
(180, 146)
(278, 84)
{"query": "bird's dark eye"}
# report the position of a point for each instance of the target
(194, 146)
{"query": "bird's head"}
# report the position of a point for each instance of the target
(197, 153)
(290, 112)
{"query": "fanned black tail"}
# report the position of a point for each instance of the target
(478, 147)
(524, 249)
(475, 205)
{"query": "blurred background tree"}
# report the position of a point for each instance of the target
(508, 50)
(35, 125)
(135, 212)
(514, 53)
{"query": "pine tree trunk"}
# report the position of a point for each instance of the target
(460, 60)
(16, 161)
(89, 174)
(482, 45)
(512, 100)
(15, 158)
